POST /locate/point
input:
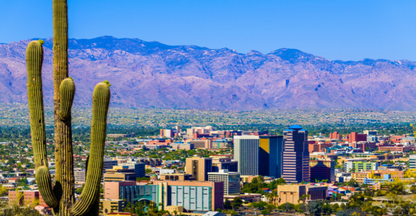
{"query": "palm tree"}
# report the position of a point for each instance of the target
(303, 198)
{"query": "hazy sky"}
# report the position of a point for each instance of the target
(334, 29)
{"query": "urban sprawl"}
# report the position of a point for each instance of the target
(204, 171)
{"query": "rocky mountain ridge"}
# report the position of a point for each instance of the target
(151, 74)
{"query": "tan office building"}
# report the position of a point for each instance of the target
(111, 206)
(198, 167)
(292, 193)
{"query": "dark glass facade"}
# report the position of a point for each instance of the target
(295, 155)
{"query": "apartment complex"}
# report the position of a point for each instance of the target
(295, 155)
(246, 152)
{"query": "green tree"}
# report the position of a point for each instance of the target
(227, 204)
(237, 203)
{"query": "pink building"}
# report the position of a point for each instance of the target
(112, 189)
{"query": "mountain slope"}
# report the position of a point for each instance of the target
(151, 74)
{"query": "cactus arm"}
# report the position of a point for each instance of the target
(34, 59)
(43, 179)
(91, 191)
(67, 91)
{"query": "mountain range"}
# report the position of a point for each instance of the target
(151, 74)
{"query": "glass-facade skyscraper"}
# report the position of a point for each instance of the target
(270, 156)
(295, 155)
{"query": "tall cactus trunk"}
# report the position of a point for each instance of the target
(60, 197)
(64, 179)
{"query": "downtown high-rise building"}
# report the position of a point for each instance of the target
(271, 156)
(246, 152)
(295, 155)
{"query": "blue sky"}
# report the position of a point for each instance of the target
(342, 30)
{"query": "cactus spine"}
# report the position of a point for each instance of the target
(60, 196)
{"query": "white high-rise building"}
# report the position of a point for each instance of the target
(231, 180)
(246, 152)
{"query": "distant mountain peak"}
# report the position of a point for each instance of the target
(152, 74)
(292, 55)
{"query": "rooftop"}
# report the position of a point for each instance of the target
(295, 127)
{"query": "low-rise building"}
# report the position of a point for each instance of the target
(293, 193)
(111, 206)
(322, 169)
(26, 198)
(359, 166)
(192, 195)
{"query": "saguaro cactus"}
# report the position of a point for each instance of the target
(60, 195)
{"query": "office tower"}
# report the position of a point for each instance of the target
(199, 167)
(246, 152)
(270, 156)
(322, 169)
(231, 180)
(295, 155)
